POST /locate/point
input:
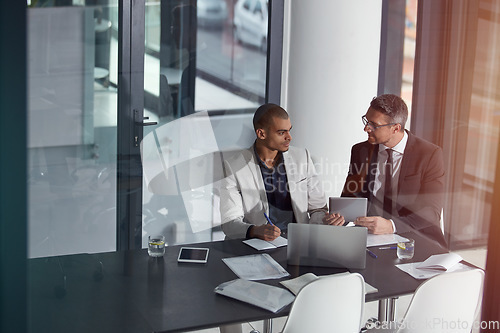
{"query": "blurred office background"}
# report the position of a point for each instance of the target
(131, 106)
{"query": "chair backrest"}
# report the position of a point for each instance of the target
(329, 304)
(448, 302)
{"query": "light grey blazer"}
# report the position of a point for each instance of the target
(243, 199)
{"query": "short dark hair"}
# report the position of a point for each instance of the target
(393, 107)
(264, 114)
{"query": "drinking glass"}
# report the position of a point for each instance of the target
(156, 245)
(406, 250)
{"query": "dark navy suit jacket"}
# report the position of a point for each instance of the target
(420, 193)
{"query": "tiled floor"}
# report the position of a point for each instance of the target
(474, 256)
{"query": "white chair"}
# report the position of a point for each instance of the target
(329, 304)
(448, 302)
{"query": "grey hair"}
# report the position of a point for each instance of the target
(393, 107)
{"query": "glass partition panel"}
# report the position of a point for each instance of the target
(72, 103)
(204, 76)
(409, 54)
(474, 203)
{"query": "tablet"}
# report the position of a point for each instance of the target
(349, 208)
(193, 254)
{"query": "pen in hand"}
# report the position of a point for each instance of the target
(268, 219)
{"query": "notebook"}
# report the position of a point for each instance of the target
(349, 208)
(326, 246)
(260, 244)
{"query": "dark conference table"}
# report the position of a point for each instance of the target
(127, 291)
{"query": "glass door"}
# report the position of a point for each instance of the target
(72, 126)
(204, 76)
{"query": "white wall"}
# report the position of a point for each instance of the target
(330, 73)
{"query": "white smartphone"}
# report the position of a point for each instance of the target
(197, 255)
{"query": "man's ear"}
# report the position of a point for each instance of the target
(261, 133)
(399, 128)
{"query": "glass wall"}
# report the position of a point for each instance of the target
(72, 110)
(456, 105)
(397, 54)
(481, 129)
(204, 76)
(409, 54)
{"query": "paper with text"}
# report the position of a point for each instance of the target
(256, 267)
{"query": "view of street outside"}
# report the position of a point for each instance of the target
(232, 65)
(230, 78)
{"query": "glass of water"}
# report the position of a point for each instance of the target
(156, 245)
(406, 250)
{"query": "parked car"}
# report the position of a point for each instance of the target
(211, 13)
(250, 22)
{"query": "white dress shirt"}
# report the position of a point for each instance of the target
(378, 190)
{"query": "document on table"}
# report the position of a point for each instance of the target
(256, 267)
(441, 262)
(378, 240)
(260, 244)
(267, 297)
(296, 284)
(419, 273)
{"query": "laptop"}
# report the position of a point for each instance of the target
(326, 246)
(349, 208)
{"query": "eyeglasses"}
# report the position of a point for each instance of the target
(373, 126)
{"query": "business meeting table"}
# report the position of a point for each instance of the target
(128, 291)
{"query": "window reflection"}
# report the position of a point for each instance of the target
(71, 127)
(409, 54)
(198, 70)
(482, 132)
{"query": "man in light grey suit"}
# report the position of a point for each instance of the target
(271, 183)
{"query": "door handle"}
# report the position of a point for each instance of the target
(139, 120)
(148, 123)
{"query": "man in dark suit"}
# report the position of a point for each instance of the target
(401, 175)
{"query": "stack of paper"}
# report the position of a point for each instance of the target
(264, 296)
(256, 267)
